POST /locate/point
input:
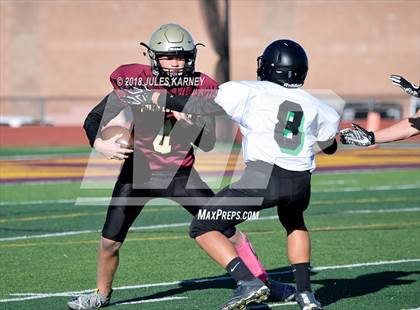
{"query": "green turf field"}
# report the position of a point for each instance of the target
(355, 218)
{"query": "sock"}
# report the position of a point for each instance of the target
(238, 270)
(301, 272)
(249, 257)
(104, 298)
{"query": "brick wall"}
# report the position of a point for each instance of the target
(68, 48)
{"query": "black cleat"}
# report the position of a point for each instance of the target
(246, 293)
(280, 292)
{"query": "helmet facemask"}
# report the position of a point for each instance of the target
(187, 70)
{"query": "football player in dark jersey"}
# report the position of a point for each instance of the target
(162, 162)
(404, 129)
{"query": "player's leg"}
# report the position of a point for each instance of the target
(298, 240)
(208, 234)
(120, 216)
(258, 188)
(247, 253)
(197, 194)
(108, 261)
(235, 202)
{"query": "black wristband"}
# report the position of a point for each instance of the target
(172, 102)
(415, 122)
(372, 137)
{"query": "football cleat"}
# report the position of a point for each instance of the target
(280, 292)
(307, 301)
(246, 293)
(89, 301)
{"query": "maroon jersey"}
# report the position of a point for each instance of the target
(164, 145)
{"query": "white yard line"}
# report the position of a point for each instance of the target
(383, 210)
(186, 224)
(370, 188)
(337, 182)
(150, 300)
(271, 305)
(162, 284)
(37, 202)
(81, 232)
(105, 200)
(52, 235)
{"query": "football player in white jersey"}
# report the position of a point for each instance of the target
(281, 124)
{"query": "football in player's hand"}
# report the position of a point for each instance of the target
(127, 139)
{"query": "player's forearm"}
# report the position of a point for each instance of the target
(91, 132)
(101, 114)
(400, 131)
(93, 121)
(207, 137)
(328, 147)
(188, 104)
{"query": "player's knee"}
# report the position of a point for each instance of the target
(291, 230)
(194, 229)
(230, 232)
(110, 246)
(292, 222)
(197, 228)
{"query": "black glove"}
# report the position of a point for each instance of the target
(408, 87)
(136, 95)
(415, 122)
(357, 135)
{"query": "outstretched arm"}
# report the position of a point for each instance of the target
(196, 105)
(404, 129)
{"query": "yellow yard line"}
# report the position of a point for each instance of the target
(355, 227)
(362, 200)
(179, 208)
(79, 214)
(49, 217)
(17, 245)
(165, 238)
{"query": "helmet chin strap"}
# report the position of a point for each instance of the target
(145, 45)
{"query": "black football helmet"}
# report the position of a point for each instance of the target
(283, 62)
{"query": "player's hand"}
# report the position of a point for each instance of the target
(111, 149)
(408, 87)
(137, 95)
(357, 135)
(184, 119)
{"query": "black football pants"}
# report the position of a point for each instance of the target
(185, 187)
(261, 186)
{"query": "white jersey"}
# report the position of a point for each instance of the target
(279, 125)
